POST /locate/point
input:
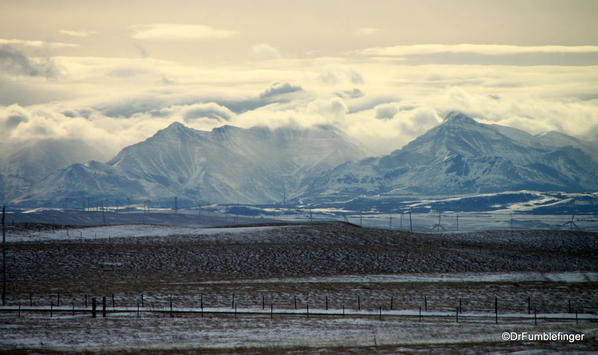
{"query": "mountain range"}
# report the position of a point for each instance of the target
(263, 166)
(462, 155)
(225, 165)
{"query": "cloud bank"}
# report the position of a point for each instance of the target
(484, 49)
(178, 32)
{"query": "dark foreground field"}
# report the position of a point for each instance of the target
(331, 265)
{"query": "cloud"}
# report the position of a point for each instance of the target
(367, 31)
(278, 89)
(80, 34)
(335, 73)
(386, 111)
(181, 32)
(35, 44)
(483, 49)
(193, 112)
(14, 62)
(350, 94)
(265, 51)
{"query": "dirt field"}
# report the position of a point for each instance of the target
(330, 264)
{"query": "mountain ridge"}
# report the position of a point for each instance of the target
(259, 165)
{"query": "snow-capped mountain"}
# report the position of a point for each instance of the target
(462, 155)
(28, 164)
(225, 165)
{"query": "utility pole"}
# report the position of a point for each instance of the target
(410, 222)
(457, 223)
(401, 223)
(511, 224)
(3, 255)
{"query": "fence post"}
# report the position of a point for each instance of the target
(326, 302)
(30, 299)
(496, 309)
(420, 313)
(358, 303)
(295, 299)
(271, 310)
(93, 307)
(570, 309)
(263, 301)
(460, 306)
(426, 303)
(457, 315)
(104, 306)
(380, 313)
(529, 304)
(85, 301)
(113, 300)
(391, 302)
(170, 299)
(535, 317)
(142, 304)
(51, 309)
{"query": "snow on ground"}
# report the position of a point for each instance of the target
(128, 231)
(163, 333)
(437, 277)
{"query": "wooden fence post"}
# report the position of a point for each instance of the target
(104, 306)
(93, 307)
(358, 303)
(496, 308)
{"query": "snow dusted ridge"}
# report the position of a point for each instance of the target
(464, 156)
(225, 165)
(263, 166)
(487, 277)
(130, 231)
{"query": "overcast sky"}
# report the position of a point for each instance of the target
(114, 72)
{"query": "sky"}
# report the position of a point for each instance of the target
(112, 73)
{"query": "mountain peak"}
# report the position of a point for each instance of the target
(176, 126)
(455, 117)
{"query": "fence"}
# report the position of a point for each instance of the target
(106, 306)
